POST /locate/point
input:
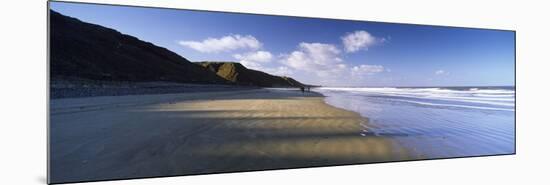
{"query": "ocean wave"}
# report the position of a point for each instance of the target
(474, 98)
(434, 122)
(456, 106)
(422, 90)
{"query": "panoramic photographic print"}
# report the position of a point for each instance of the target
(137, 92)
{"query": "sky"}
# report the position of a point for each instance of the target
(319, 51)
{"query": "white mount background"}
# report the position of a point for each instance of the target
(23, 91)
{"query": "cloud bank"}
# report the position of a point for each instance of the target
(254, 60)
(313, 61)
(441, 72)
(366, 69)
(318, 58)
(326, 63)
(359, 40)
(223, 44)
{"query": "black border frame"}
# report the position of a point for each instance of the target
(241, 171)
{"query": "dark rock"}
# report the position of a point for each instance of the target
(88, 51)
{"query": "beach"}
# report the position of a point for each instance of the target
(117, 137)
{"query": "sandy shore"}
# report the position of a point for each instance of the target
(178, 134)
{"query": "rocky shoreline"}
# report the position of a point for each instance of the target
(76, 89)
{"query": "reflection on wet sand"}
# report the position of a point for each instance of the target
(264, 129)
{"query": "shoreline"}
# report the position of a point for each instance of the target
(197, 133)
(436, 123)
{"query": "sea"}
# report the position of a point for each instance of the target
(434, 122)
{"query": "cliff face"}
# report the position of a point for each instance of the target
(237, 73)
(87, 51)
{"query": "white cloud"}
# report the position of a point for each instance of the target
(281, 71)
(322, 59)
(254, 60)
(366, 69)
(359, 40)
(259, 60)
(251, 65)
(258, 56)
(441, 72)
(226, 43)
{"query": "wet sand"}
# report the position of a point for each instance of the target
(98, 138)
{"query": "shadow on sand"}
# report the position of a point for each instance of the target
(133, 143)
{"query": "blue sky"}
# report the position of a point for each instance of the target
(319, 51)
